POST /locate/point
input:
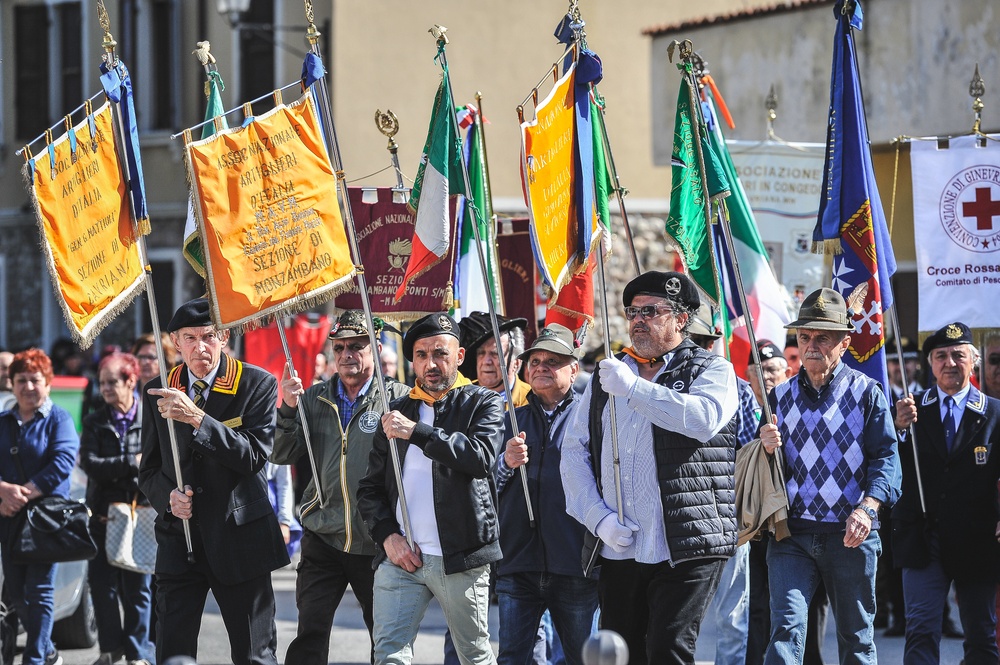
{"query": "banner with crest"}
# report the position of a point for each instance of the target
(385, 240)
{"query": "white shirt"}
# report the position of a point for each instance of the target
(418, 487)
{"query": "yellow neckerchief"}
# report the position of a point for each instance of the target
(639, 359)
(419, 393)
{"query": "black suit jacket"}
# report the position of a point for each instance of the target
(960, 490)
(223, 463)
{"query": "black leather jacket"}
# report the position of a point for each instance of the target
(463, 444)
(109, 462)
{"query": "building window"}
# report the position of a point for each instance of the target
(257, 51)
(149, 46)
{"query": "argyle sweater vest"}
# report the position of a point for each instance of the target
(825, 461)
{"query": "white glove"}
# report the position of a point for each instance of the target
(614, 535)
(616, 377)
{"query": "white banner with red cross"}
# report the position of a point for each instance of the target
(956, 224)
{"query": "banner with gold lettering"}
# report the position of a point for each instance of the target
(79, 198)
(547, 170)
(268, 215)
(385, 233)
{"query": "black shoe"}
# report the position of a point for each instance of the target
(53, 658)
(949, 629)
(897, 629)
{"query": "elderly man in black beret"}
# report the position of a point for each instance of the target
(447, 432)
(223, 415)
(946, 524)
(483, 365)
(675, 421)
(834, 429)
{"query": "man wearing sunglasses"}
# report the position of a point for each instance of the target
(675, 405)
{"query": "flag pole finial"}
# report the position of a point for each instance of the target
(439, 32)
(109, 42)
(771, 104)
(977, 88)
(312, 33)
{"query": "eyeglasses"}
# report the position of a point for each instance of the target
(647, 311)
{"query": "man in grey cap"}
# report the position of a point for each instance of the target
(342, 414)
(446, 432)
(841, 465)
(541, 565)
(223, 416)
(675, 406)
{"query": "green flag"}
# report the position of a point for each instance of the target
(192, 249)
(695, 171)
(603, 185)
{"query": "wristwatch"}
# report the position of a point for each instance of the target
(870, 512)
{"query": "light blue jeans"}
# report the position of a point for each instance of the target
(401, 598)
(795, 567)
(732, 609)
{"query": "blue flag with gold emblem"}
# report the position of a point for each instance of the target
(851, 223)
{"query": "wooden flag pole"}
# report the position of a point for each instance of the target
(330, 134)
(442, 40)
(111, 59)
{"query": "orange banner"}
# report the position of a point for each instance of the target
(265, 197)
(548, 172)
(79, 197)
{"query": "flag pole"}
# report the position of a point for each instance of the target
(492, 226)
(280, 323)
(894, 322)
(442, 41)
(620, 192)
(388, 124)
(111, 59)
(330, 135)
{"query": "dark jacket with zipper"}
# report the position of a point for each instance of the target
(697, 487)
(341, 459)
(462, 444)
(552, 545)
(110, 461)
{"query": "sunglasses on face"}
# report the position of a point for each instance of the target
(647, 311)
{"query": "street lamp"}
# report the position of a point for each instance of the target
(232, 10)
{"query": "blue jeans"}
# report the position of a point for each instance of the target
(524, 597)
(109, 586)
(31, 590)
(401, 598)
(925, 592)
(732, 609)
(796, 566)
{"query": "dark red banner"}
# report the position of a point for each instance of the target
(517, 272)
(385, 235)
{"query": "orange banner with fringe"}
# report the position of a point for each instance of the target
(79, 199)
(265, 198)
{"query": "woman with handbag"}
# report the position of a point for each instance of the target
(110, 450)
(38, 447)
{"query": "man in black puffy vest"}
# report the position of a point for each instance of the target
(666, 528)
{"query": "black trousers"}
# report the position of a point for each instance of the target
(247, 610)
(323, 575)
(658, 608)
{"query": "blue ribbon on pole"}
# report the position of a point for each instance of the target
(118, 87)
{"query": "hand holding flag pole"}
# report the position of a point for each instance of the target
(320, 496)
(442, 40)
(111, 61)
(330, 135)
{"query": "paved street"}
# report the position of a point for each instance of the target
(350, 639)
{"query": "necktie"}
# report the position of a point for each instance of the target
(949, 422)
(199, 393)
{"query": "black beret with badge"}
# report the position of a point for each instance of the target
(910, 351)
(429, 326)
(557, 339)
(476, 329)
(768, 350)
(950, 335)
(192, 314)
(674, 285)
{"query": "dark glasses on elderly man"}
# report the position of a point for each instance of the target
(647, 311)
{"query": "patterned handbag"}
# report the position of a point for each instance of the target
(131, 541)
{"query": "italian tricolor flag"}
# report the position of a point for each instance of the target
(439, 177)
